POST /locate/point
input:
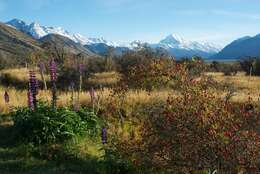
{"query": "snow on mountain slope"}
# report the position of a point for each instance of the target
(173, 43)
(37, 31)
(176, 42)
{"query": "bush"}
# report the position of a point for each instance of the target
(215, 66)
(230, 69)
(247, 65)
(195, 66)
(194, 131)
(152, 74)
(48, 125)
(251, 66)
(257, 67)
(197, 131)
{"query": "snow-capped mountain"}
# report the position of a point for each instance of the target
(179, 47)
(37, 31)
(136, 44)
(174, 44)
(174, 41)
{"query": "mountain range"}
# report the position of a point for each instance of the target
(244, 47)
(76, 43)
(175, 45)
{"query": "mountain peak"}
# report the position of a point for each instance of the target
(137, 44)
(172, 42)
(173, 39)
(18, 24)
(16, 21)
(37, 31)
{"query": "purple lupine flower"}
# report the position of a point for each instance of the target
(33, 82)
(53, 75)
(30, 100)
(92, 94)
(33, 87)
(53, 70)
(6, 97)
(104, 135)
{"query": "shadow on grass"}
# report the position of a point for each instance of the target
(8, 81)
(25, 159)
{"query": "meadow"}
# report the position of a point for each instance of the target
(244, 87)
(133, 119)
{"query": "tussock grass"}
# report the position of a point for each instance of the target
(21, 74)
(18, 98)
(104, 79)
(246, 86)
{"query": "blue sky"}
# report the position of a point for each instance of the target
(218, 21)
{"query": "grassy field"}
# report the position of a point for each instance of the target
(18, 97)
(244, 87)
(85, 155)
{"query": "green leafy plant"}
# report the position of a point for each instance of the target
(50, 125)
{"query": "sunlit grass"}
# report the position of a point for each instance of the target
(246, 86)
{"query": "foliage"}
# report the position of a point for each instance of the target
(257, 67)
(230, 69)
(140, 56)
(195, 66)
(215, 66)
(152, 74)
(49, 125)
(251, 66)
(197, 131)
(114, 163)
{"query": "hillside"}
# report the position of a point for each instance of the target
(65, 43)
(243, 47)
(15, 45)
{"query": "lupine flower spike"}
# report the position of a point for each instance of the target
(104, 136)
(30, 100)
(33, 89)
(6, 97)
(53, 76)
(53, 70)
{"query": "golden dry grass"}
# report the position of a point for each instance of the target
(104, 79)
(21, 74)
(19, 98)
(245, 86)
